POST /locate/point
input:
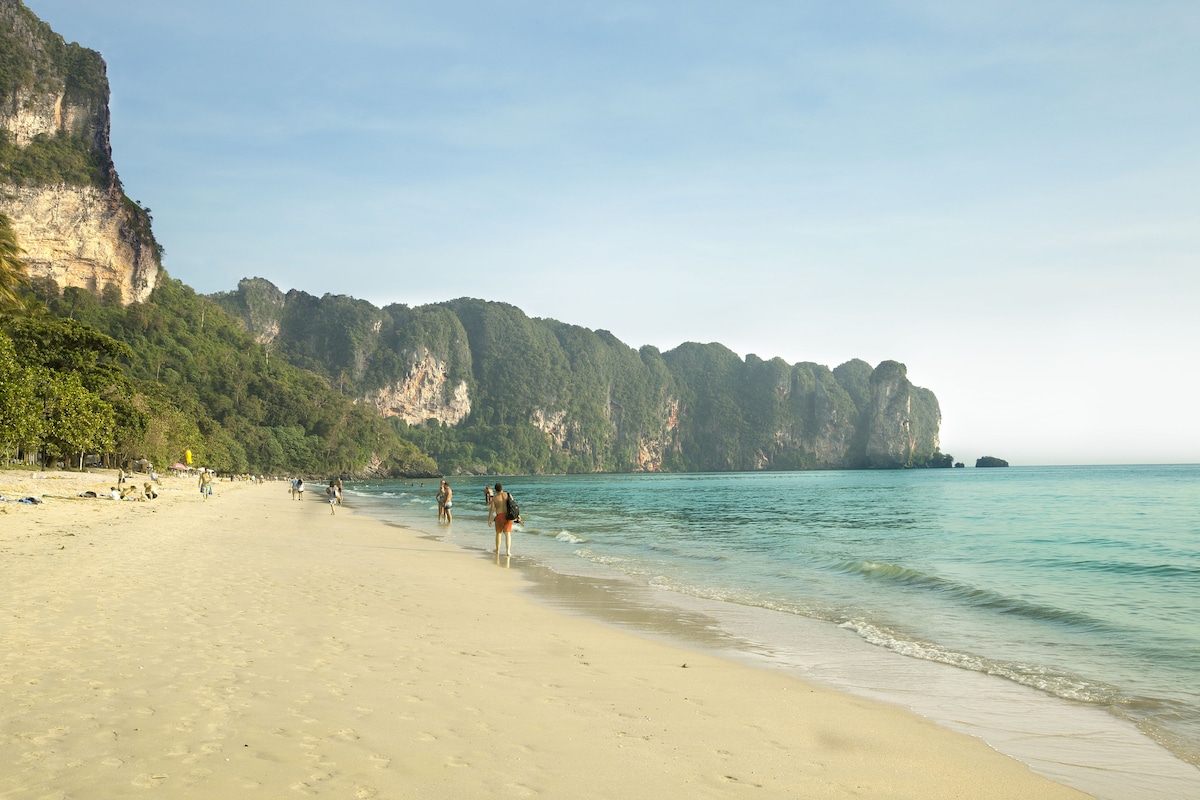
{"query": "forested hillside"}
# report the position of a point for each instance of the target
(484, 388)
(153, 379)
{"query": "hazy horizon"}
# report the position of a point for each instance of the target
(1002, 197)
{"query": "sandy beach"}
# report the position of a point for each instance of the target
(252, 645)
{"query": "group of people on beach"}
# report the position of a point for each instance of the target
(500, 511)
(131, 492)
(333, 491)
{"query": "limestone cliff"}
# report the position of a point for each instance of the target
(570, 399)
(902, 423)
(422, 395)
(58, 184)
(652, 449)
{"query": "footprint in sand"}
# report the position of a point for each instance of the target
(380, 762)
(310, 786)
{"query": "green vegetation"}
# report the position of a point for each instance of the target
(36, 66)
(34, 57)
(12, 269)
(47, 160)
(153, 379)
(552, 397)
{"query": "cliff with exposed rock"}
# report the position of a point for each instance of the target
(58, 184)
(479, 382)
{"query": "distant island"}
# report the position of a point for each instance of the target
(990, 461)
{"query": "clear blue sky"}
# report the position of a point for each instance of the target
(1005, 196)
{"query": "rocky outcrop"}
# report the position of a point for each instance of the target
(895, 426)
(652, 450)
(599, 405)
(58, 184)
(555, 425)
(423, 395)
(77, 236)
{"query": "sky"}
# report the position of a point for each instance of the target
(1004, 196)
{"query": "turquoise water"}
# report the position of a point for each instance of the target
(1081, 582)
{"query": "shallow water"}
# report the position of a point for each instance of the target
(1082, 583)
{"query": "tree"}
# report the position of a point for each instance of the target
(75, 420)
(20, 422)
(12, 268)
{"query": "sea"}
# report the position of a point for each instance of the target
(1052, 611)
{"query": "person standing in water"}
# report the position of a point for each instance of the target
(448, 502)
(499, 513)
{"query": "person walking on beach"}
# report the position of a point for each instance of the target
(299, 488)
(499, 513)
(331, 495)
(206, 482)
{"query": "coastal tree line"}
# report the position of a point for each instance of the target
(82, 374)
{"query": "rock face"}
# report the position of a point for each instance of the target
(903, 420)
(81, 236)
(591, 402)
(57, 180)
(423, 394)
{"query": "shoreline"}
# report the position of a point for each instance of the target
(254, 643)
(1074, 743)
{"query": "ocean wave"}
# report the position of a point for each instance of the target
(1061, 684)
(569, 538)
(1156, 571)
(972, 595)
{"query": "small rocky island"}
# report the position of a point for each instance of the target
(990, 461)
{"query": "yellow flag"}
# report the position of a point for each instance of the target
(187, 456)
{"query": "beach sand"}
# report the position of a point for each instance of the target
(252, 645)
